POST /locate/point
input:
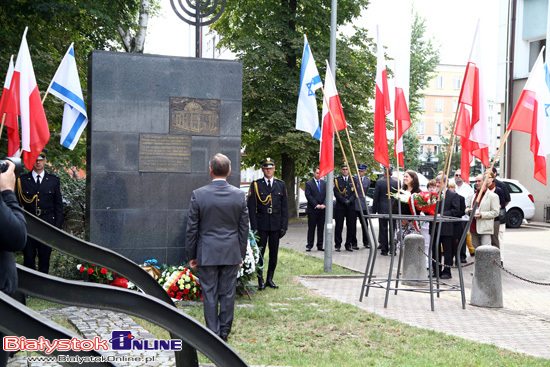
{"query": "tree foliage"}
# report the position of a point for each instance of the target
(267, 37)
(53, 26)
(424, 59)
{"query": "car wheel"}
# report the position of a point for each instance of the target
(514, 218)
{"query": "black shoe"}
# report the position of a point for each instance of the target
(270, 284)
(349, 249)
(337, 249)
(224, 337)
(355, 247)
(366, 245)
(445, 276)
(463, 261)
(320, 249)
(308, 249)
(384, 253)
(261, 284)
(379, 247)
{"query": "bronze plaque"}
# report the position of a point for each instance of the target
(195, 116)
(164, 153)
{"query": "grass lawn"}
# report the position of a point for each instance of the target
(292, 326)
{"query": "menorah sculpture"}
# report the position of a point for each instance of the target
(199, 15)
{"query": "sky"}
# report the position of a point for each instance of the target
(450, 23)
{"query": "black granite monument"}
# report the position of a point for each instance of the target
(154, 122)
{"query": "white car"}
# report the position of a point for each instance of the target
(521, 205)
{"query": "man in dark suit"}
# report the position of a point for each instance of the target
(216, 238)
(316, 191)
(344, 209)
(363, 182)
(380, 205)
(41, 195)
(451, 208)
(268, 209)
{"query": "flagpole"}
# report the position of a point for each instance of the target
(2, 127)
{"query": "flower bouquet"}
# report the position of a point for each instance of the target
(250, 264)
(425, 201)
(180, 283)
(95, 273)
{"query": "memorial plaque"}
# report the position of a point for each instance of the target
(195, 116)
(164, 153)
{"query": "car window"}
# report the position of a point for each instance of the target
(514, 189)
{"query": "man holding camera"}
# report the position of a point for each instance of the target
(12, 235)
(41, 195)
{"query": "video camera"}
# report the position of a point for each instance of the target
(14, 160)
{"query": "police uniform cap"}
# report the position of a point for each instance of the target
(267, 163)
(343, 165)
(43, 154)
(361, 167)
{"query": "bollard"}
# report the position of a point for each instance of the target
(487, 283)
(414, 260)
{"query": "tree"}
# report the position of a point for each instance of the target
(133, 36)
(424, 59)
(267, 37)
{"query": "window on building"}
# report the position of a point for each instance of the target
(456, 82)
(439, 82)
(422, 104)
(421, 127)
(438, 105)
(455, 104)
(436, 150)
(438, 128)
(422, 149)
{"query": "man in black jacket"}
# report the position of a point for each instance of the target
(344, 209)
(13, 234)
(316, 192)
(41, 195)
(380, 205)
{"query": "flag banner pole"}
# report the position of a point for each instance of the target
(2, 127)
(44, 98)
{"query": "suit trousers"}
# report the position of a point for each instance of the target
(351, 224)
(219, 284)
(364, 228)
(447, 243)
(384, 235)
(271, 239)
(315, 220)
(29, 255)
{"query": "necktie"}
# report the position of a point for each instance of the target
(269, 184)
(319, 185)
(38, 181)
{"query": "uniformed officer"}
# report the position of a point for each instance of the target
(40, 194)
(268, 212)
(344, 209)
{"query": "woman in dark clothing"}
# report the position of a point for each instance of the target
(13, 236)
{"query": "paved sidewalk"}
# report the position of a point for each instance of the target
(523, 325)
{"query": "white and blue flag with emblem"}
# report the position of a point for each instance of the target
(65, 85)
(307, 116)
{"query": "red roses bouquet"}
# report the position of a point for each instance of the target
(180, 283)
(425, 201)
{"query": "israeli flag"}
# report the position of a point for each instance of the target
(65, 85)
(307, 116)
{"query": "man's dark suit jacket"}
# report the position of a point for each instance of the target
(380, 200)
(313, 196)
(450, 209)
(217, 228)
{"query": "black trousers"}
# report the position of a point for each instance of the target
(315, 220)
(219, 284)
(384, 233)
(364, 228)
(447, 243)
(351, 224)
(32, 248)
(271, 239)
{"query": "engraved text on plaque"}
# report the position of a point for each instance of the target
(164, 153)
